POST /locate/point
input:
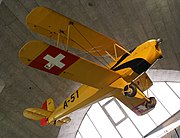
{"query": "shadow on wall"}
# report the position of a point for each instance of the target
(2, 85)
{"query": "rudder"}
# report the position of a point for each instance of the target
(48, 105)
(42, 113)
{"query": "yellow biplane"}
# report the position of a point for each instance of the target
(124, 78)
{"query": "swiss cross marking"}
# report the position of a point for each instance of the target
(54, 61)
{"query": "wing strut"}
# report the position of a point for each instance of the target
(68, 34)
(92, 48)
(58, 40)
(122, 49)
(67, 43)
(110, 56)
(115, 52)
(147, 89)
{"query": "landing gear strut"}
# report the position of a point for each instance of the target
(130, 90)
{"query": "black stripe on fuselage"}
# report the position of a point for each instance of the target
(138, 65)
(120, 60)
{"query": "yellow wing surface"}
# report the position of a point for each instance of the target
(56, 61)
(56, 26)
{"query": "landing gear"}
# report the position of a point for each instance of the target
(151, 103)
(130, 90)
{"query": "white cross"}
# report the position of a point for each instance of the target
(54, 61)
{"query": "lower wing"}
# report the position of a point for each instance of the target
(56, 61)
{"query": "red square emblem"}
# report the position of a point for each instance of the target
(54, 60)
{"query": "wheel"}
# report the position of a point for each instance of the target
(130, 90)
(151, 103)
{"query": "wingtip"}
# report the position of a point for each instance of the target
(31, 50)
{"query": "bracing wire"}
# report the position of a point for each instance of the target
(85, 50)
(82, 46)
(92, 47)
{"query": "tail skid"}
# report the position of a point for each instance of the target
(64, 120)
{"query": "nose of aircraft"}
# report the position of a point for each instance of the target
(159, 40)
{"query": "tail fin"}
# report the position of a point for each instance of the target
(40, 114)
(48, 105)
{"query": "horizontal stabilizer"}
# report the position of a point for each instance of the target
(36, 113)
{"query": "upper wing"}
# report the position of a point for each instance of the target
(48, 58)
(54, 25)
